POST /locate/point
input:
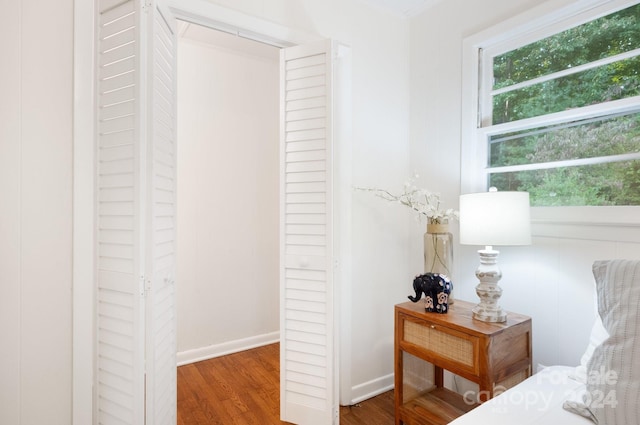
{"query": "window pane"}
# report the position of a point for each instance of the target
(614, 81)
(582, 139)
(604, 37)
(616, 183)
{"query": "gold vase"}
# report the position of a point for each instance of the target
(438, 251)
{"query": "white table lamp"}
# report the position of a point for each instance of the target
(493, 218)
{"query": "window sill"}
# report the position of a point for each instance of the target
(619, 224)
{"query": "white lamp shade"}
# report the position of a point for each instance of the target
(495, 218)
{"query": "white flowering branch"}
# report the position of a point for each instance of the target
(424, 203)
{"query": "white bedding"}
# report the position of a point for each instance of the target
(536, 401)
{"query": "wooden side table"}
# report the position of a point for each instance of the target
(496, 356)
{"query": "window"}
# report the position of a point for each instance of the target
(555, 107)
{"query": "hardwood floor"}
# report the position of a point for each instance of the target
(378, 410)
(244, 389)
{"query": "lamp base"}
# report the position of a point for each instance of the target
(493, 316)
(488, 273)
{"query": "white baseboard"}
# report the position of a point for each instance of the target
(371, 389)
(217, 350)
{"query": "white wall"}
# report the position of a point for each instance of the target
(36, 46)
(551, 280)
(228, 198)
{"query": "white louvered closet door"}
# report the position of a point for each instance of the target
(307, 365)
(161, 218)
(135, 365)
(120, 303)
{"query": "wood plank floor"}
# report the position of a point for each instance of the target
(244, 389)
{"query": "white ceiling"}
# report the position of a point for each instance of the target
(405, 8)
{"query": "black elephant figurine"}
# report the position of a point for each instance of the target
(436, 288)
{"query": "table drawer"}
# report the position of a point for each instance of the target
(446, 344)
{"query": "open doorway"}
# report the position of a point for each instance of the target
(228, 203)
(228, 186)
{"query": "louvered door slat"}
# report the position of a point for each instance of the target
(117, 20)
(116, 180)
(113, 10)
(118, 82)
(307, 395)
(117, 68)
(119, 39)
(117, 54)
(119, 110)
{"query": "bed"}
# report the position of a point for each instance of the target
(604, 388)
(537, 400)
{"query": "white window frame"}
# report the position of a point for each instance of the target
(619, 223)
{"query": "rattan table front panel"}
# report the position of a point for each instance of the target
(442, 342)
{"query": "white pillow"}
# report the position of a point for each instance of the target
(612, 394)
(598, 335)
